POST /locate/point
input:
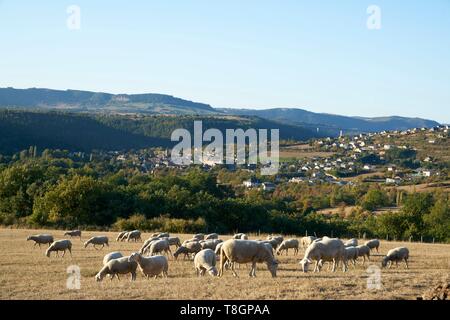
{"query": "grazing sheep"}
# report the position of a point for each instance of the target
(147, 244)
(73, 233)
(190, 247)
(306, 241)
(246, 251)
(151, 266)
(41, 239)
(396, 255)
(205, 260)
(364, 251)
(121, 235)
(97, 241)
(277, 239)
(373, 244)
(217, 251)
(118, 266)
(134, 235)
(160, 235)
(60, 245)
(124, 236)
(199, 236)
(351, 243)
(174, 241)
(325, 250)
(210, 244)
(212, 236)
(288, 244)
(185, 242)
(159, 246)
(111, 256)
(273, 243)
(351, 254)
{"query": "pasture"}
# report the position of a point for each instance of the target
(26, 273)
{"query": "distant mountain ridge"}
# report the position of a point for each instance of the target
(76, 100)
(160, 104)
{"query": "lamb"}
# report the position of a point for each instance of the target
(151, 266)
(325, 250)
(212, 236)
(41, 239)
(60, 245)
(373, 244)
(306, 241)
(97, 241)
(73, 233)
(191, 247)
(134, 235)
(205, 260)
(246, 251)
(121, 235)
(288, 244)
(199, 236)
(351, 243)
(210, 244)
(396, 255)
(111, 256)
(117, 266)
(364, 251)
(159, 246)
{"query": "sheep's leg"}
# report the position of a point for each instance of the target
(64, 253)
(334, 266)
(406, 263)
(133, 276)
(368, 256)
(316, 266)
(233, 271)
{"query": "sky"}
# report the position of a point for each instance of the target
(316, 55)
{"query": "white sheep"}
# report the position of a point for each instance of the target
(118, 266)
(210, 244)
(151, 266)
(205, 260)
(199, 236)
(306, 241)
(160, 235)
(73, 233)
(41, 239)
(351, 243)
(97, 241)
(121, 235)
(373, 244)
(212, 236)
(351, 254)
(111, 256)
(134, 235)
(396, 255)
(277, 239)
(239, 236)
(364, 251)
(60, 245)
(324, 250)
(188, 248)
(159, 246)
(288, 244)
(246, 251)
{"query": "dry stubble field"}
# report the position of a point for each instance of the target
(25, 273)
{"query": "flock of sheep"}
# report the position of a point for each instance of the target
(206, 250)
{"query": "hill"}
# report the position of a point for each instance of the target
(335, 123)
(80, 101)
(21, 129)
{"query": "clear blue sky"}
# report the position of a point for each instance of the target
(317, 55)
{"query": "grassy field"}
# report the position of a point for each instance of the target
(25, 273)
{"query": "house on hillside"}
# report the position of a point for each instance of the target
(252, 183)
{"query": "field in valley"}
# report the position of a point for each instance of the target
(26, 273)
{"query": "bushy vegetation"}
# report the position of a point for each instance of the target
(53, 189)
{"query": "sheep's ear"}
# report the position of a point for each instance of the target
(309, 260)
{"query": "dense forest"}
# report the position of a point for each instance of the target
(87, 132)
(56, 189)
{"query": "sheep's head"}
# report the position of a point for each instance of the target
(304, 263)
(134, 257)
(98, 277)
(384, 262)
(47, 253)
(178, 252)
(273, 266)
(86, 244)
(213, 271)
(29, 238)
